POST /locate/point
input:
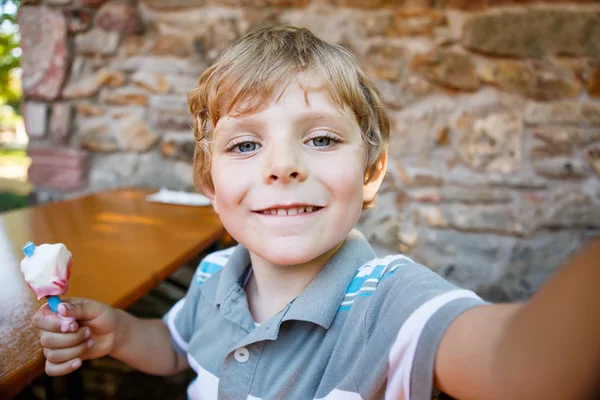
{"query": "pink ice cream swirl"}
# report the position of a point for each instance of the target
(58, 285)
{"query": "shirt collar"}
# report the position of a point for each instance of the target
(232, 273)
(320, 301)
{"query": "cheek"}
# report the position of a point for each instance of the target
(231, 183)
(345, 180)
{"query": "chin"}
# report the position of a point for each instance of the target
(281, 253)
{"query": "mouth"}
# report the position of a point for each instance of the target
(286, 211)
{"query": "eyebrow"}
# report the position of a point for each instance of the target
(245, 122)
(253, 122)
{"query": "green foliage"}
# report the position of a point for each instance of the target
(12, 201)
(10, 91)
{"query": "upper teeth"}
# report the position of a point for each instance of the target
(288, 211)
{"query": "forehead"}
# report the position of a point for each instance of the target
(302, 100)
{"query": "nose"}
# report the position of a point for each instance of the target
(284, 165)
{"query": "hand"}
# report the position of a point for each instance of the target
(91, 335)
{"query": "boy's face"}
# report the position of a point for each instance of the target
(288, 180)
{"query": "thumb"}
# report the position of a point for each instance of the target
(80, 309)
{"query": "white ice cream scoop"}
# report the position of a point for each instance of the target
(46, 269)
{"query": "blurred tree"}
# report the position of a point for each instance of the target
(10, 88)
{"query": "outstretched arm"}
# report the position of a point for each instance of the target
(548, 348)
(145, 344)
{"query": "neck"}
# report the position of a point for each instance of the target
(271, 286)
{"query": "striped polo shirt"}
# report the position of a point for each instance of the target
(364, 328)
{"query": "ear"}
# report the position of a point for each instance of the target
(209, 192)
(371, 187)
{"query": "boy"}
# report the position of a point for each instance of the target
(290, 146)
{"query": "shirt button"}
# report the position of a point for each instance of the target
(241, 355)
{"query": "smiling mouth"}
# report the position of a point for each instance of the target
(290, 211)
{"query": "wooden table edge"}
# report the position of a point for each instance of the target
(12, 387)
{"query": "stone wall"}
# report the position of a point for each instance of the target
(495, 150)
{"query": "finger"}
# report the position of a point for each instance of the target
(58, 356)
(53, 340)
(64, 368)
(47, 320)
(80, 309)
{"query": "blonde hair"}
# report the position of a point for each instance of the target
(259, 63)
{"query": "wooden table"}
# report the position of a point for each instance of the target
(122, 247)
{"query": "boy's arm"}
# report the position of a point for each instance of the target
(145, 344)
(548, 348)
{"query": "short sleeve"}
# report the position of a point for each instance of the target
(181, 318)
(406, 320)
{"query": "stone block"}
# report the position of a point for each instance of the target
(56, 177)
(373, 4)
(174, 4)
(587, 136)
(87, 86)
(58, 2)
(92, 3)
(178, 145)
(590, 113)
(531, 262)
(168, 65)
(153, 81)
(134, 45)
(539, 80)
(35, 116)
(559, 112)
(177, 103)
(470, 260)
(415, 21)
(97, 41)
(504, 219)
(78, 20)
(89, 110)
(182, 84)
(490, 139)
(110, 170)
(412, 137)
(166, 120)
(57, 168)
(155, 171)
(218, 36)
(447, 68)
(561, 167)
(397, 95)
(172, 45)
(592, 155)
(473, 5)
(45, 56)
(460, 194)
(534, 33)
(570, 209)
(262, 3)
(133, 134)
(475, 194)
(125, 96)
(119, 17)
(593, 80)
(61, 123)
(558, 135)
(386, 61)
(108, 77)
(546, 150)
(412, 176)
(96, 135)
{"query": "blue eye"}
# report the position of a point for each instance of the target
(321, 141)
(247, 147)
